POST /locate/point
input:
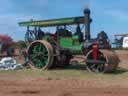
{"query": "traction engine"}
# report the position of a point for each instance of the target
(48, 50)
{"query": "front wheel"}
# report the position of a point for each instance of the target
(107, 61)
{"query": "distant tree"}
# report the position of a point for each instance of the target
(6, 42)
(6, 39)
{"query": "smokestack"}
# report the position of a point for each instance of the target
(87, 23)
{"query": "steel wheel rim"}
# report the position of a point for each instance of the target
(40, 54)
(93, 67)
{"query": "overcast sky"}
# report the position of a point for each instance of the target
(108, 15)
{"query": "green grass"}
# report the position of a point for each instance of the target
(68, 73)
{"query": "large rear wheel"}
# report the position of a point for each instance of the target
(40, 54)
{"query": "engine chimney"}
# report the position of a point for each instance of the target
(87, 24)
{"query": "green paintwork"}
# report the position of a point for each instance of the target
(54, 22)
(72, 43)
(39, 51)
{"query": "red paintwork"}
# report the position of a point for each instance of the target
(95, 52)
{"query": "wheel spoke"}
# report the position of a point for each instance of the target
(33, 56)
(38, 48)
(41, 48)
(44, 50)
(35, 49)
(39, 54)
(93, 66)
(98, 66)
(38, 63)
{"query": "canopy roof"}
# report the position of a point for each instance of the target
(54, 22)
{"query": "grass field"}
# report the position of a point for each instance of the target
(72, 72)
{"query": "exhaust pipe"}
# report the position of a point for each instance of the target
(87, 23)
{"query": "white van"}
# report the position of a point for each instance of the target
(125, 42)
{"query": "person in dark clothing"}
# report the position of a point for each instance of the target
(79, 33)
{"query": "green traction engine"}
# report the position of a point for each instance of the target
(48, 50)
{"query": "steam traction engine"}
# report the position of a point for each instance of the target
(48, 50)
